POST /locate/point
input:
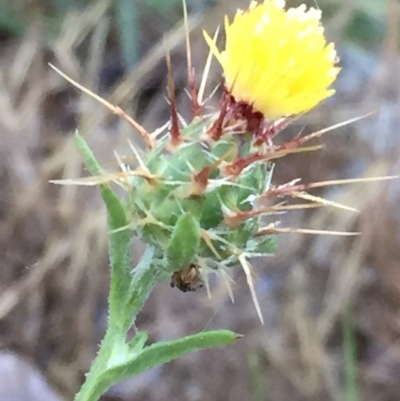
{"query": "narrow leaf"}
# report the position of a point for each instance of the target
(145, 276)
(119, 240)
(137, 343)
(164, 352)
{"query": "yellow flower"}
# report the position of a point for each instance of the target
(277, 60)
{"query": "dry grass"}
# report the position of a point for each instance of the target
(53, 274)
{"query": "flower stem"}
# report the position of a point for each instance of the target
(114, 350)
(92, 389)
(117, 357)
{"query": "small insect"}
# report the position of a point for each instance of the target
(187, 279)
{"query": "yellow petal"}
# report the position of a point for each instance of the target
(213, 47)
(277, 60)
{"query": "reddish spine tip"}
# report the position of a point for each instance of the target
(216, 130)
(200, 182)
(176, 137)
(196, 107)
(236, 167)
(235, 219)
(266, 133)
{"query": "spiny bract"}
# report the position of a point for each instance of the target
(193, 179)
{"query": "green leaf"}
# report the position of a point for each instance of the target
(164, 352)
(145, 276)
(119, 239)
(137, 343)
(185, 242)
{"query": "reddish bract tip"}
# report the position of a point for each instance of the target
(234, 220)
(194, 95)
(176, 137)
(216, 130)
(200, 181)
(237, 166)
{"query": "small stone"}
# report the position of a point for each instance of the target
(21, 381)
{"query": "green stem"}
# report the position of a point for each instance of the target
(114, 346)
(92, 389)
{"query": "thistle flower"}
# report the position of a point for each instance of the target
(277, 60)
(197, 194)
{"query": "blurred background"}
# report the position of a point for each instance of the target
(331, 304)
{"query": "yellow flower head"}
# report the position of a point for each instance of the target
(277, 60)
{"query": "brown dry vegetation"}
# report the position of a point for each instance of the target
(53, 260)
